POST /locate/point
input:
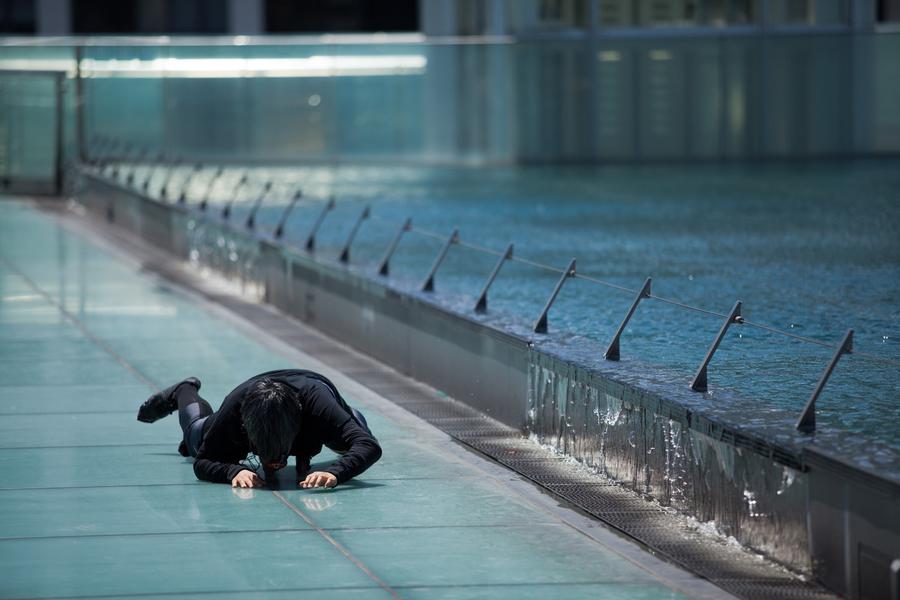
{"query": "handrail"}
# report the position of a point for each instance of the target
(699, 383)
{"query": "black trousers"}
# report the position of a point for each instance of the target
(192, 413)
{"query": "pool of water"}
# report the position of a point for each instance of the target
(809, 248)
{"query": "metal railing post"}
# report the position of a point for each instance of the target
(310, 243)
(699, 383)
(612, 351)
(110, 166)
(141, 154)
(251, 218)
(209, 187)
(428, 283)
(182, 197)
(226, 210)
(101, 143)
(160, 159)
(279, 230)
(807, 421)
(117, 167)
(481, 303)
(345, 251)
(164, 188)
(384, 266)
(540, 326)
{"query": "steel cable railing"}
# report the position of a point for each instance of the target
(805, 423)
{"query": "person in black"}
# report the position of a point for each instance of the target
(274, 415)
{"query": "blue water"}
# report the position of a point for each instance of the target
(809, 248)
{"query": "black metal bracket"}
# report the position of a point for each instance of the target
(384, 266)
(345, 251)
(540, 326)
(481, 303)
(279, 230)
(807, 421)
(612, 351)
(699, 383)
(310, 243)
(428, 283)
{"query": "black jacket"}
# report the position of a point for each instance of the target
(325, 420)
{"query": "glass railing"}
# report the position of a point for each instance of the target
(415, 99)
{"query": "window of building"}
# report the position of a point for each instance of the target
(341, 16)
(888, 11)
(149, 16)
(809, 12)
(677, 13)
(547, 15)
(17, 16)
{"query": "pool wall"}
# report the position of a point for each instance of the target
(787, 499)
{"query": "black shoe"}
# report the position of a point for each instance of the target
(163, 403)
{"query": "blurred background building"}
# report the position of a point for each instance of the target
(432, 17)
(470, 81)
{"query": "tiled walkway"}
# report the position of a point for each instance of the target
(96, 504)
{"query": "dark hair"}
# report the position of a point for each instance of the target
(271, 414)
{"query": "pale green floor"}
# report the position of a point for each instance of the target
(94, 503)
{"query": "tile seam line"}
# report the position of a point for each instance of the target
(338, 546)
(97, 487)
(407, 586)
(81, 326)
(192, 593)
(157, 445)
(140, 534)
(145, 485)
(63, 412)
(137, 534)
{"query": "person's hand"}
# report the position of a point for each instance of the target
(247, 479)
(319, 479)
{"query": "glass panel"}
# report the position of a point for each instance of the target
(831, 12)
(655, 13)
(791, 12)
(543, 15)
(28, 131)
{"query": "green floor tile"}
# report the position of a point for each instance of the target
(44, 349)
(487, 556)
(98, 367)
(464, 502)
(140, 510)
(25, 431)
(82, 466)
(557, 591)
(329, 592)
(72, 399)
(173, 564)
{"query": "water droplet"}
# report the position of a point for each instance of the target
(884, 338)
